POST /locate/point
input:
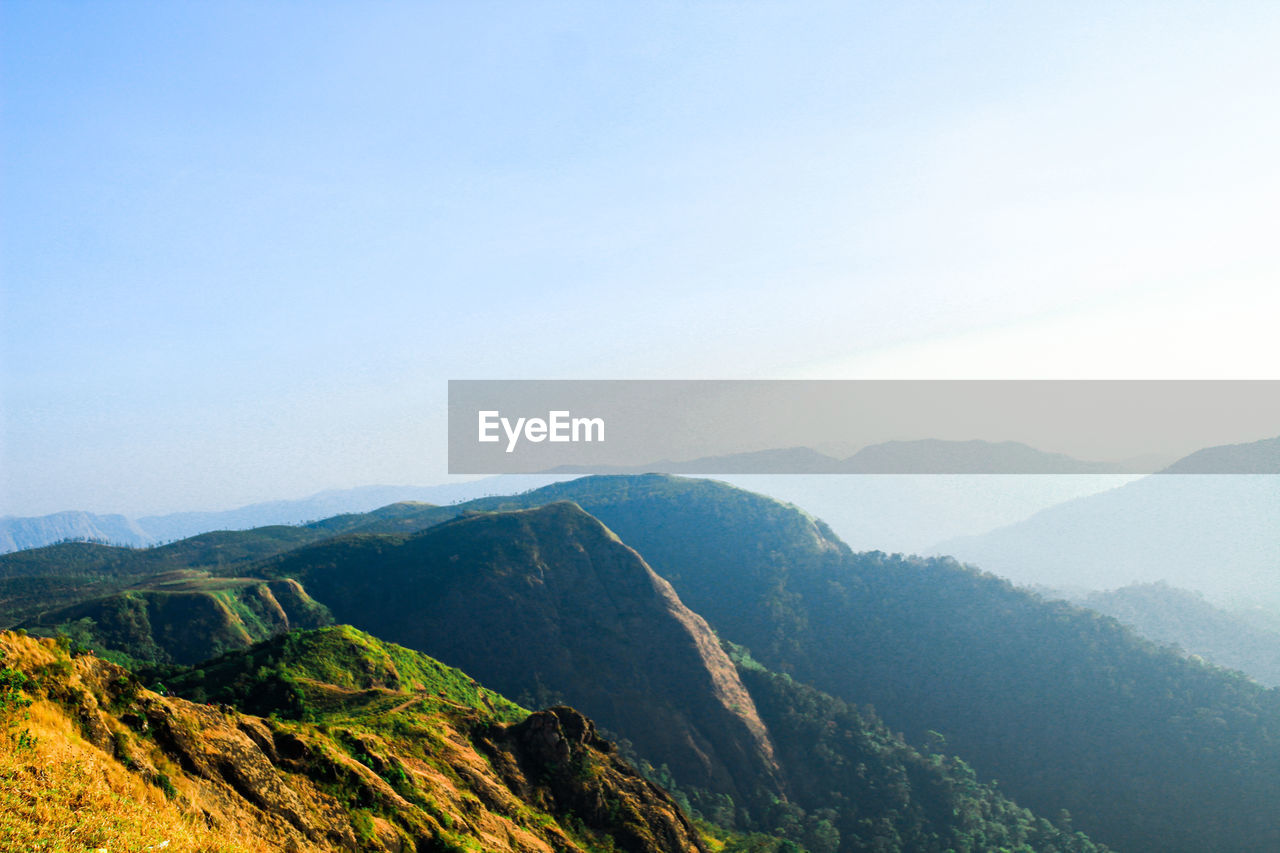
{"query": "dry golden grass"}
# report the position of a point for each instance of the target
(63, 794)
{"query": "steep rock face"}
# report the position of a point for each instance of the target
(429, 774)
(548, 758)
(549, 604)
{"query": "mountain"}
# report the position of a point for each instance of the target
(1181, 618)
(18, 533)
(934, 456)
(1258, 457)
(788, 460)
(843, 782)
(1213, 533)
(39, 580)
(326, 504)
(924, 456)
(908, 513)
(863, 788)
(183, 617)
(55, 576)
(91, 759)
(1067, 708)
(549, 604)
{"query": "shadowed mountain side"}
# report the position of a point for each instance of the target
(1067, 708)
(862, 785)
(549, 604)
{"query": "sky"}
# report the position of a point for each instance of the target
(243, 246)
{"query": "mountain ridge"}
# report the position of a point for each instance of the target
(537, 598)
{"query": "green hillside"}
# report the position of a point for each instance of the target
(38, 580)
(856, 785)
(338, 670)
(183, 617)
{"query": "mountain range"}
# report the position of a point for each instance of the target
(18, 533)
(1213, 533)
(921, 456)
(903, 512)
(1185, 620)
(734, 648)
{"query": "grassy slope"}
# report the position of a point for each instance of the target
(416, 771)
(183, 617)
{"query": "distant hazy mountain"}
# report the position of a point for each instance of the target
(329, 503)
(934, 456)
(926, 456)
(1182, 618)
(18, 533)
(908, 513)
(1216, 533)
(787, 460)
(1258, 457)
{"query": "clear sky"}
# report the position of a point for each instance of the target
(246, 244)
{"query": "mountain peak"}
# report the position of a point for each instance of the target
(548, 605)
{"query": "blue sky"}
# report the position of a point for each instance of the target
(245, 245)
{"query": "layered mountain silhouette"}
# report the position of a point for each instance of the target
(17, 533)
(20, 532)
(1185, 620)
(1214, 533)
(922, 456)
(1257, 457)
